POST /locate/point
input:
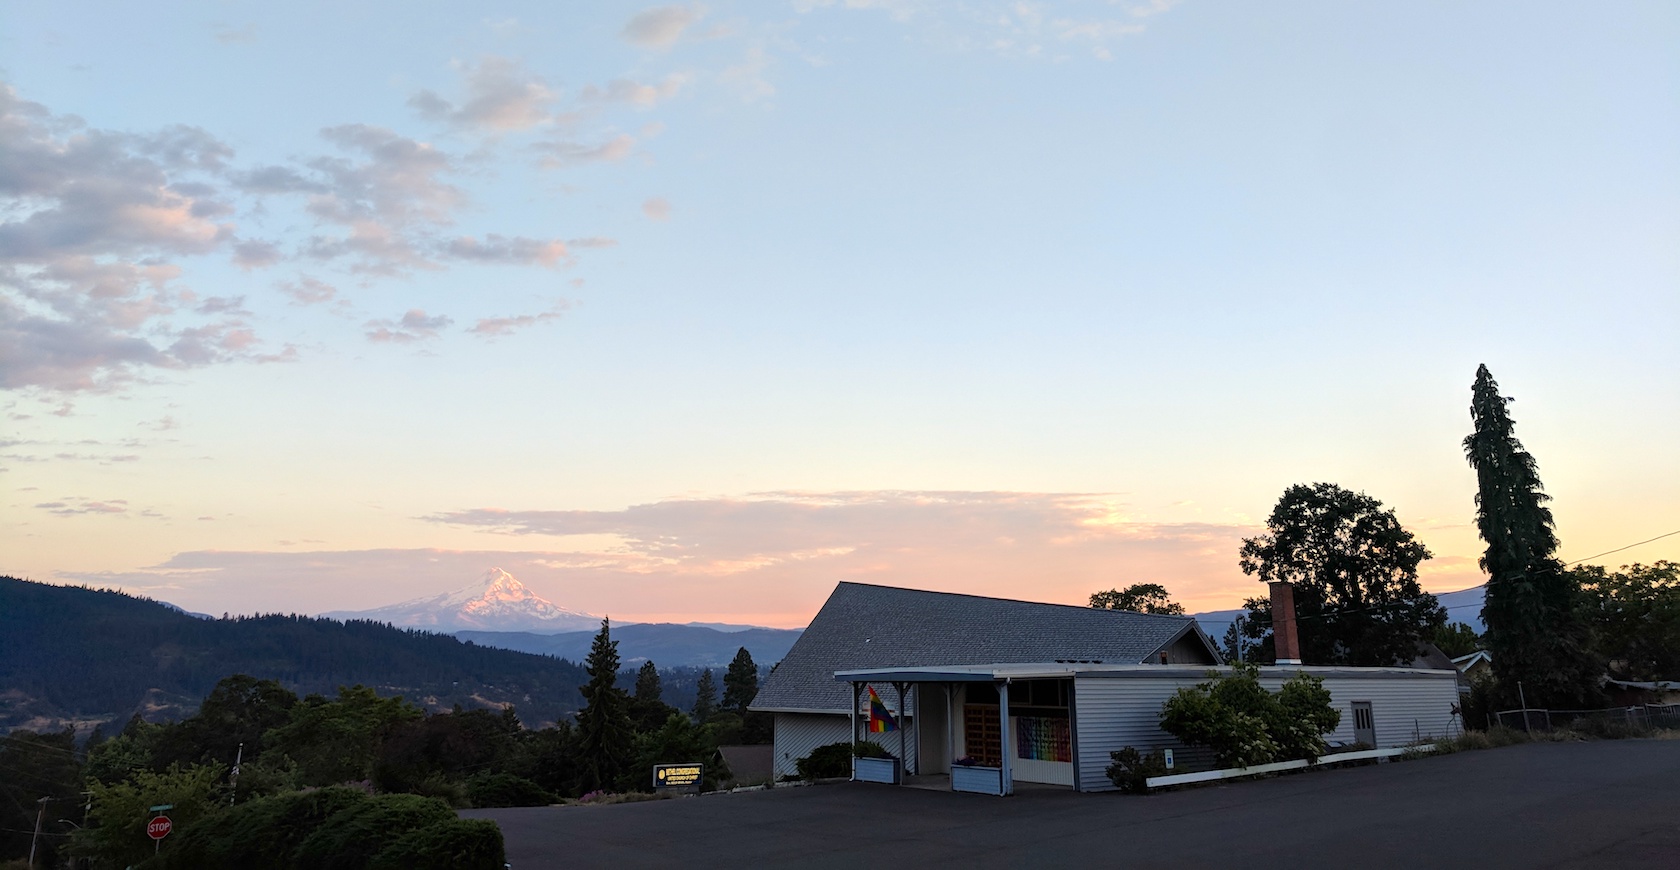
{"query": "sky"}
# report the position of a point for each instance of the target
(688, 312)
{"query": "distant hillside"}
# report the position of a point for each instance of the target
(1464, 606)
(84, 655)
(665, 644)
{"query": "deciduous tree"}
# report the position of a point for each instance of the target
(1636, 618)
(1138, 597)
(1354, 570)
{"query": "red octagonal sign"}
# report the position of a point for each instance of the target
(159, 827)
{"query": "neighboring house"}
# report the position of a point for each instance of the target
(1034, 692)
(1632, 693)
(1474, 666)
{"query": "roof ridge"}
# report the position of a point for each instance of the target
(1012, 600)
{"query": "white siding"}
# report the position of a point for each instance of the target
(1113, 713)
(1403, 711)
(799, 733)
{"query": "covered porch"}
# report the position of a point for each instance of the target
(975, 728)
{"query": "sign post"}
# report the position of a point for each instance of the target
(160, 826)
(678, 777)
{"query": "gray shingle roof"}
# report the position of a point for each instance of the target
(864, 626)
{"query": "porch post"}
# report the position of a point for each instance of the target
(903, 759)
(950, 729)
(853, 748)
(1008, 750)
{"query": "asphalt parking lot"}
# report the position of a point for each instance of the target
(1562, 805)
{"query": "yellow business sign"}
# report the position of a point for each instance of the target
(677, 776)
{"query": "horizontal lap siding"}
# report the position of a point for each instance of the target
(1115, 713)
(1402, 710)
(799, 733)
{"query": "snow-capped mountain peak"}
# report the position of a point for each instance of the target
(497, 602)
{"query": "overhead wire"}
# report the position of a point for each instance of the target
(1483, 585)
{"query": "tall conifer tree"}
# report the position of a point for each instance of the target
(647, 682)
(740, 683)
(1536, 626)
(604, 730)
(705, 697)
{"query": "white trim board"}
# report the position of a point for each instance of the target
(1279, 766)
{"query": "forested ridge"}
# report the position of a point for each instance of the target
(79, 653)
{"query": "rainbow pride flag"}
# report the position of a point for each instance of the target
(880, 719)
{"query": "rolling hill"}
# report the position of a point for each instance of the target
(79, 655)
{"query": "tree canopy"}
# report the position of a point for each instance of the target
(1354, 570)
(1635, 616)
(1138, 597)
(705, 697)
(604, 730)
(740, 683)
(1534, 609)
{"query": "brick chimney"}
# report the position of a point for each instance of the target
(1284, 638)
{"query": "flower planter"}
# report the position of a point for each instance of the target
(977, 779)
(884, 770)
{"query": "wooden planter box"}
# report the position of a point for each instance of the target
(977, 779)
(884, 770)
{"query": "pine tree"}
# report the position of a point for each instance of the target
(740, 683)
(705, 697)
(647, 682)
(1536, 626)
(604, 730)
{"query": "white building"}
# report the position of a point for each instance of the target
(1059, 687)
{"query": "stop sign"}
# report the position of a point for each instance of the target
(159, 827)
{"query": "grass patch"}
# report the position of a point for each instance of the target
(1499, 735)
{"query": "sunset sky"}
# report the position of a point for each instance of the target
(689, 312)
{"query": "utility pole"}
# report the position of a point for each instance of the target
(233, 778)
(39, 814)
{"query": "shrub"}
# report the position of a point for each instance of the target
(507, 790)
(455, 844)
(870, 749)
(1132, 769)
(260, 834)
(1246, 725)
(351, 837)
(826, 762)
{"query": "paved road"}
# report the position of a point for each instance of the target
(1563, 805)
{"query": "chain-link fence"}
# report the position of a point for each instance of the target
(1618, 719)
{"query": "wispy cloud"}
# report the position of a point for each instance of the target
(500, 95)
(495, 327)
(657, 209)
(74, 506)
(660, 27)
(415, 325)
(768, 557)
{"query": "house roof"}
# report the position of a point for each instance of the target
(862, 626)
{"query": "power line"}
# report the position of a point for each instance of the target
(1628, 547)
(1326, 613)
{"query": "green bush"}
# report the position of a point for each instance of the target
(835, 759)
(261, 834)
(456, 844)
(507, 790)
(1132, 769)
(826, 762)
(351, 837)
(1246, 725)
